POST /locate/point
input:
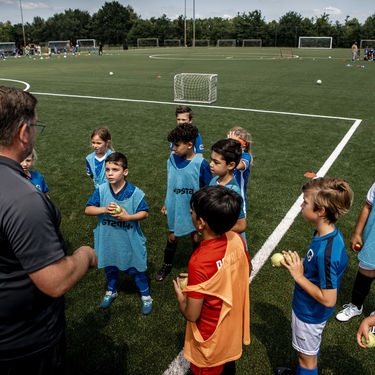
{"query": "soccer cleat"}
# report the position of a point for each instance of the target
(284, 371)
(349, 311)
(146, 305)
(163, 272)
(108, 299)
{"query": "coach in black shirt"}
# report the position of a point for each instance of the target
(35, 271)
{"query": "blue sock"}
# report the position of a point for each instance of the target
(305, 371)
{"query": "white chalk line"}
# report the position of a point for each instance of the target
(195, 105)
(179, 366)
(14, 80)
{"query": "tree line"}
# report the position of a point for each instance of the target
(115, 24)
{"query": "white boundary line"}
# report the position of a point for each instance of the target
(14, 80)
(179, 366)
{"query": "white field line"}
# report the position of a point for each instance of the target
(14, 80)
(194, 105)
(180, 366)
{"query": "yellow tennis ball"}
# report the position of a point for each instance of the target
(183, 282)
(117, 210)
(371, 342)
(277, 258)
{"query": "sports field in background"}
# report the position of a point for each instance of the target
(296, 126)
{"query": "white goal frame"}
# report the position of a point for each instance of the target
(202, 43)
(166, 41)
(259, 41)
(139, 40)
(328, 38)
(233, 41)
(195, 88)
(7, 47)
(93, 45)
(369, 42)
(59, 44)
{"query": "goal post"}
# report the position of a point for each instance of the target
(86, 43)
(202, 42)
(7, 48)
(59, 44)
(195, 88)
(226, 43)
(367, 43)
(318, 42)
(252, 43)
(147, 42)
(285, 53)
(172, 43)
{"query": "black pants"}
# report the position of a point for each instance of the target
(50, 362)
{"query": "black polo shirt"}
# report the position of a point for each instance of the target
(30, 321)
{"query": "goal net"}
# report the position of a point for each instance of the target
(252, 43)
(367, 43)
(147, 42)
(86, 43)
(7, 48)
(285, 53)
(226, 43)
(172, 43)
(59, 44)
(315, 42)
(195, 87)
(202, 42)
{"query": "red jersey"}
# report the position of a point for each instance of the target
(203, 264)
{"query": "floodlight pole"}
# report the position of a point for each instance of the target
(23, 28)
(185, 26)
(193, 23)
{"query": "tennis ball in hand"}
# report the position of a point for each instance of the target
(357, 246)
(117, 210)
(277, 258)
(371, 342)
(183, 282)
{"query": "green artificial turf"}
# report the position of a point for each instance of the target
(122, 341)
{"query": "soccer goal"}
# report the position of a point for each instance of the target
(285, 53)
(147, 42)
(195, 87)
(367, 43)
(315, 42)
(172, 43)
(86, 43)
(202, 42)
(59, 44)
(252, 43)
(7, 48)
(226, 43)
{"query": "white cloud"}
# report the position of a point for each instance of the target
(31, 5)
(7, 2)
(329, 10)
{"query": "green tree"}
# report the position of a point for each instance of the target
(351, 32)
(112, 23)
(250, 25)
(368, 29)
(289, 28)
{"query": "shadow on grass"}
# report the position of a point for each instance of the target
(90, 351)
(275, 334)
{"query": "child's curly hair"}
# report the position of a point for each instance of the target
(184, 133)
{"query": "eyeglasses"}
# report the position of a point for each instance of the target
(39, 127)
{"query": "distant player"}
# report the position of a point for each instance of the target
(102, 146)
(317, 277)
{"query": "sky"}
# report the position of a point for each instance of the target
(270, 9)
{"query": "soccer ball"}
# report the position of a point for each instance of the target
(318, 82)
(111, 73)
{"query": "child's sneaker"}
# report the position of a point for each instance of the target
(108, 299)
(349, 311)
(146, 305)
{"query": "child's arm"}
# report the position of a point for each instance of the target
(240, 225)
(124, 216)
(190, 307)
(95, 211)
(294, 264)
(361, 222)
(364, 329)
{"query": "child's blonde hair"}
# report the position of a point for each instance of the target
(245, 136)
(33, 155)
(103, 134)
(332, 193)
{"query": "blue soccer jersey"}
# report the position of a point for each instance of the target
(324, 265)
(242, 176)
(38, 181)
(198, 145)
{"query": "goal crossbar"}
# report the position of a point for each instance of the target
(148, 42)
(86, 42)
(231, 42)
(316, 42)
(367, 42)
(252, 43)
